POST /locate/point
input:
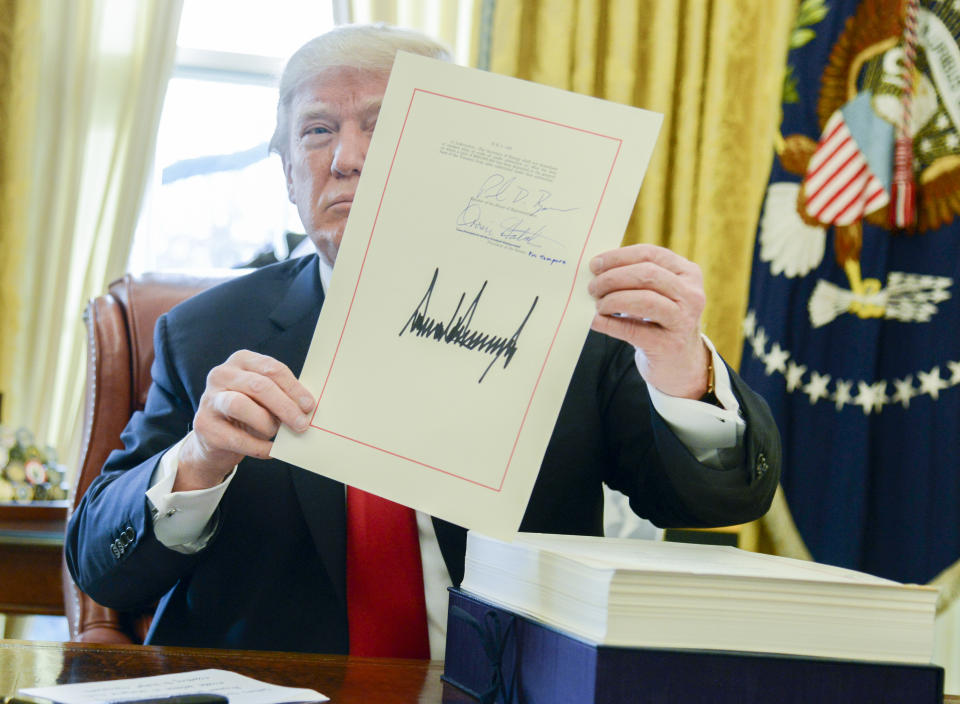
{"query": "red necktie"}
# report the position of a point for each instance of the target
(385, 603)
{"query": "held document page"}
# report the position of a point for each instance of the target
(458, 306)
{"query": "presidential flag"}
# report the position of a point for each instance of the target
(853, 327)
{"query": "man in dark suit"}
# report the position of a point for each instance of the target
(248, 552)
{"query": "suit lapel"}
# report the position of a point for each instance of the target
(321, 499)
(323, 504)
(298, 308)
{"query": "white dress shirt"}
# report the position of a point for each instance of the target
(183, 520)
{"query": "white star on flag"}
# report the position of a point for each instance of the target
(776, 360)
(759, 343)
(842, 394)
(904, 391)
(817, 388)
(931, 383)
(865, 396)
(880, 398)
(794, 375)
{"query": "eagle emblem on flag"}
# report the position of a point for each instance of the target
(852, 332)
(888, 154)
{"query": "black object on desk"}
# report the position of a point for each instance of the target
(176, 699)
(181, 699)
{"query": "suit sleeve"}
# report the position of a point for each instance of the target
(663, 479)
(110, 548)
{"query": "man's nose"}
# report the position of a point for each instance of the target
(350, 152)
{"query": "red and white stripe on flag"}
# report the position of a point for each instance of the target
(839, 186)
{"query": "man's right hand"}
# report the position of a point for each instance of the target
(245, 401)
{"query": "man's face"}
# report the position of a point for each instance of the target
(332, 117)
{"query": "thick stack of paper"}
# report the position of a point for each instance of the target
(640, 593)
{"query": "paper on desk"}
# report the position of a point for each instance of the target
(459, 303)
(239, 689)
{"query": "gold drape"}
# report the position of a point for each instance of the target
(715, 69)
(450, 21)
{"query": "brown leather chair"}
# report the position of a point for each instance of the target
(119, 354)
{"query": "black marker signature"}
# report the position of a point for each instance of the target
(457, 330)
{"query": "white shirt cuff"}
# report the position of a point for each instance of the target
(182, 520)
(703, 428)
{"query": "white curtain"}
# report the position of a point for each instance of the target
(98, 73)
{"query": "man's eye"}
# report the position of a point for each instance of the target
(316, 131)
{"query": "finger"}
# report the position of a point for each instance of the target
(642, 253)
(622, 328)
(261, 390)
(646, 336)
(217, 435)
(640, 276)
(241, 409)
(641, 306)
(658, 343)
(280, 374)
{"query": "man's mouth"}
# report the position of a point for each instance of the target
(346, 200)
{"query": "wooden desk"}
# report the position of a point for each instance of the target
(31, 553)
(344, 680)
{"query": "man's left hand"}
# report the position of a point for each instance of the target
(653, 299)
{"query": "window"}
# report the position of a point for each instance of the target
(216, 196)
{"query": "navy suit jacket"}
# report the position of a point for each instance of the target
(273, 574)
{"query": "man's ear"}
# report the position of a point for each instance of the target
(287, 170)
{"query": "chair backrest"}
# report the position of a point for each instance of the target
(119, 354)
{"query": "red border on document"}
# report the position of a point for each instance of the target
(556, 332)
